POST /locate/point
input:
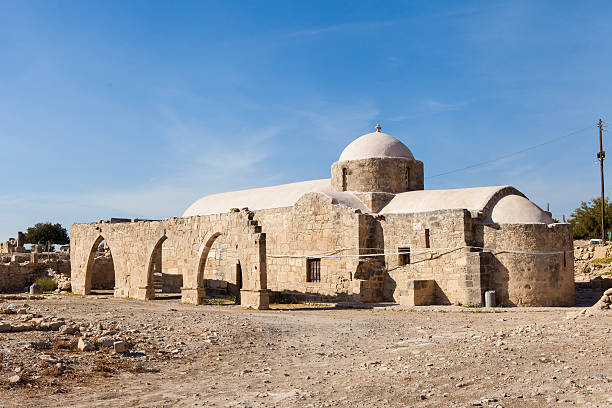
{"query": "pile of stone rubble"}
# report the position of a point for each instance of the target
(605, 303)
(87, 337)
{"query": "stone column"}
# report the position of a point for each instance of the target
(256, 296)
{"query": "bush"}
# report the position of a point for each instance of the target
(47, 284)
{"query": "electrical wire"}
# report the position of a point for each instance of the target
(510, 154)
(416, 252)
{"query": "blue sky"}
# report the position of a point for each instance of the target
(137, 109)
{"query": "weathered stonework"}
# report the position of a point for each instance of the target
(377, 174)
(369, 234)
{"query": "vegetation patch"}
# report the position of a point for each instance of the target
(47, 284)
(602, 261)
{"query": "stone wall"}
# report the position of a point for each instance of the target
(442, 231)
(533, 279)
(377, 175)
(103, 273)
(313, 228)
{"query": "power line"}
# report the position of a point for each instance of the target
(510, 154)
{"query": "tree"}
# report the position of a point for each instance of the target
(45, 232)
(586, 219)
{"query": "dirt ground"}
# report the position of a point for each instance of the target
(309, 356)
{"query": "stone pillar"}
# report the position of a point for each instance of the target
(256, 296)
(145, 292)
(469, 284)
(194, 296)
(255, 299)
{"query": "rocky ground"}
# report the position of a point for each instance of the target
(299, 355)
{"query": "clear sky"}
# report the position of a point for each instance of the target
(138, 108)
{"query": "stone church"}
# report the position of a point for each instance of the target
(370, 233)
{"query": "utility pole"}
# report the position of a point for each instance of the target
(601, 155)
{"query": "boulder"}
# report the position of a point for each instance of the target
(106, 341)
(120, 347)
(67, 329)
(15, 379)
(85, 345)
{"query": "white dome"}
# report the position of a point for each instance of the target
(375, 144)
(514, 209)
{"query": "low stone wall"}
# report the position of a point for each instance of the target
(21, 270)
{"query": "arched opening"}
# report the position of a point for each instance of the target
(219, 274)
(238, 286)
(157, 281)
(344, 178)
(100, 273)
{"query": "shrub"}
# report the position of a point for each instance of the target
(602, 260)
(47, 284)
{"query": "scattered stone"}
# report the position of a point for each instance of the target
(85, 345)
(106, 341)
(15, 379)
(120, 347)
(68, 329)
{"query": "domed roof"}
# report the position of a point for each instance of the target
(514, 209)
(375, 144)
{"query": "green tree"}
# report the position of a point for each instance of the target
(45, 232)
(586, 219)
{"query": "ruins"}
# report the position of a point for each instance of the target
(13, 245)
(370, 233)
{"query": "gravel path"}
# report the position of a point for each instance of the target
(309, 356)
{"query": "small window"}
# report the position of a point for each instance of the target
(427, 238)
(404, 256)
(564, 261)
(314, 270)
(344, 177)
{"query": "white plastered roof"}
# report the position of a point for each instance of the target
(285, 195)
(375, 144)
(514, 209)
(511, 208)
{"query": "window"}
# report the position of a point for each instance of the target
(427, 238)
(344, 176)
(314, 270)
(564, 261)
(407, 178)
(404, 256)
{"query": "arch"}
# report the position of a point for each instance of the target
(90, 263)
(203, 256)
(154, 258)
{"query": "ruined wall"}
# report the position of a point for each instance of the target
(378, 174)
(529, 279)
(21, 270)
(135, 246)
(456, 281)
